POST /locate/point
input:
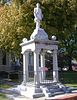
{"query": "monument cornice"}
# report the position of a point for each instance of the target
(37, 41)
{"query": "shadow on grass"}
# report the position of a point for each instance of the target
(68, 77)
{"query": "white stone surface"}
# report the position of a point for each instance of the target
(40, 44)
(55, 66)
(38, 15)
(53, 38)
(24, 40)
(39, 34)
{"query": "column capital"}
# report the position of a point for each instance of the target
(26, 52)
(55, 51)
(42, 53)
(37, 51)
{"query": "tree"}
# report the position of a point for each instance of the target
(17, 22)
(69, 48)
(61, 20)
(14, 26)
(8, 27)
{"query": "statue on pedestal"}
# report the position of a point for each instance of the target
(38, 15)
(38, 33)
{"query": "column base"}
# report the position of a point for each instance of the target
(22, 87)
(32, 92)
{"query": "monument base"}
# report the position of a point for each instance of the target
(47, 90)
(30, 91)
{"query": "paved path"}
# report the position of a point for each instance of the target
(25, 98)
(59, 97)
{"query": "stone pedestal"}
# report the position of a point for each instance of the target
(32, 92)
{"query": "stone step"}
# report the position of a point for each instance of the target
(74, 91)
(31, 94)
(58, 93)
(46, 92)
(53, 87)
(55, 90)
(9, 91)
(38, 90)
(36, 95)
(48, 83)
(72, 88)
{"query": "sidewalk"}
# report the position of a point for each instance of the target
(71, 96)
(25, 98)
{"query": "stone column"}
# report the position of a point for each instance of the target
(25, 68)
(55, 66)
(36, 68)
(42, 65)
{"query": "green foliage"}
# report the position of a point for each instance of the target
(71, 85)
(17, 22)
(8, 28)
(60, 15)
(60, 20)
(14, 26)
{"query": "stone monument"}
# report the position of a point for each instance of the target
(39, 44)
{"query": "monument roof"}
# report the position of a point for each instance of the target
(39, 34)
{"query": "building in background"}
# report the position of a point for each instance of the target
(5, 63)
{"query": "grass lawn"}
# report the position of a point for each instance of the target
(4, 86)
(3, 97)
(71, 85)
(68, 77)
